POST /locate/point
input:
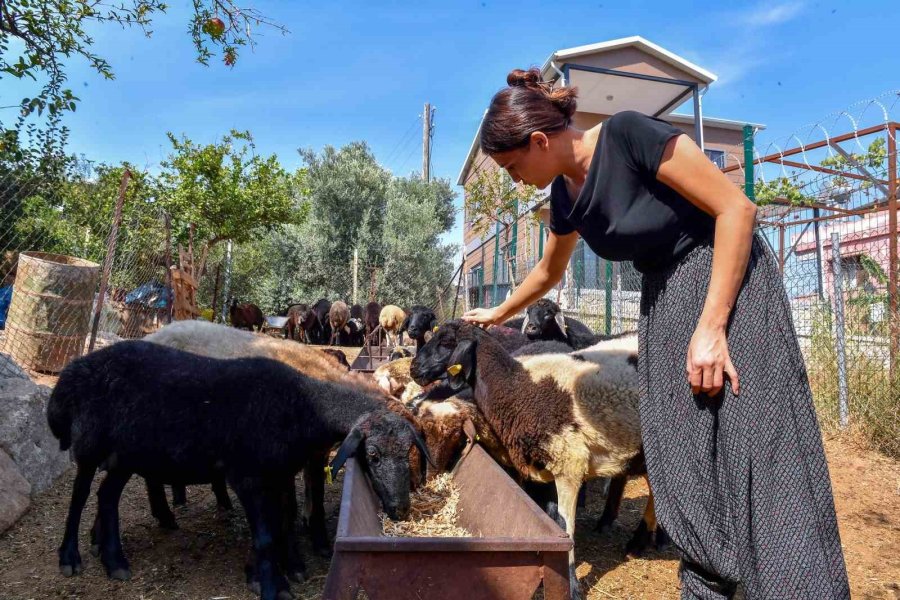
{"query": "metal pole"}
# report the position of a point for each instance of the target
(541, 240)
(698, 117)
(462, 274)
(607, 324)
(110, 256)
(514, 243)
(748, 163)
(819, 256)
(894, 301)
(355, 274)
(620, 310)
(840, 342)
(496, 261)
(781, 249)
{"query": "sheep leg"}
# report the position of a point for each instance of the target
(223, 501)
(179, 495)
(260, 501)
(69, 558)
(314, 488)
(159, 506)
(613, 503)
(567, 491)
(289, 549)
(642, 536)
(111, 554)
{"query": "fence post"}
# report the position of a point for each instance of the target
(607, 286)
(840, 341)
(620, 309)
(894, 233)
(108, 259)
(748, 162)
(541, 239)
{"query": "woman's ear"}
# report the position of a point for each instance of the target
(540, 140)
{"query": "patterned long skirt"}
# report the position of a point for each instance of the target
(740, 482)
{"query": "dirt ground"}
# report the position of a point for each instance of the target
(204, 559)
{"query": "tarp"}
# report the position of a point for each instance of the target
(5, 299)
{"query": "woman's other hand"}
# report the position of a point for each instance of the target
(482, 317)
(708, 361)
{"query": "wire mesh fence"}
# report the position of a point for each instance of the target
(82, 263)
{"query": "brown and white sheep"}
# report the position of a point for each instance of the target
(338, 315)
(391, 320)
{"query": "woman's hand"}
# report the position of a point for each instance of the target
(707, 359)
(482, 316)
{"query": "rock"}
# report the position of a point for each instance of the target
(9, 369)
(14, 492)
(25, 435)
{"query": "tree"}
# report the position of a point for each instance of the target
(38, 37)
(492, 197)
(228, 192)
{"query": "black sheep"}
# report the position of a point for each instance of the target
(356, 312)
(357, 330)
(323, 328)
(254, 420)
(418, 322)
(372, 312)
(544, 320)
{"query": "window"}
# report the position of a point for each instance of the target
(716, 156)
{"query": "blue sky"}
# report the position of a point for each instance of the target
(362, 71)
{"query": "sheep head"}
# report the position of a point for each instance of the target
(381, 442)
(544, 320)
(438, 358)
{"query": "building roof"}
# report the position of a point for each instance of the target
(654, 95)
(634, 41)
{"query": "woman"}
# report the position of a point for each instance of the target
(732, 444)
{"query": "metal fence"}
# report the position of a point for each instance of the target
(82, 264)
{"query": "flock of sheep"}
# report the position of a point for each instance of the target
(199, 403)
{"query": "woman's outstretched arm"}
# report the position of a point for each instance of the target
(547, 273)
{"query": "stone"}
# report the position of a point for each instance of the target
(25, 435)
(9, 369)
(14, 492)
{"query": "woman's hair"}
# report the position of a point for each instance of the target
(527, 105)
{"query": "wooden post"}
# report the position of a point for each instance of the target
(426, 143)
(355, 274)
(215, 297)
(171, 292)
(110, 256)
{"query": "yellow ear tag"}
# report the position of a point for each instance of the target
(454, 369)
(329, 479)
(435, 330)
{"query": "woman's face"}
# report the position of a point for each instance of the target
(532, 164)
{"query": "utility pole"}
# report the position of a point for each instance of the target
(426, 142)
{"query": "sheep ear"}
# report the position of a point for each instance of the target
(462, 365)
(561, 323)
(433, 326)
(348, 448)
(420, 444)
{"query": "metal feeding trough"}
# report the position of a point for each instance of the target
(518, 547)
(371, 357)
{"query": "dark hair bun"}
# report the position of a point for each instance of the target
(529, 78)
(565, 99)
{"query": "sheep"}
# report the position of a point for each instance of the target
(393, 376)
(301, 321)
(400, 352)
(391, 319)
(338, 355)
(217, 341)
(373, 312)
(246, 315)
(323, 329)
(112, 409)
(561, 418)
(338, 315)
(544, 320)
(357, 332)
(419, 321)
(356, 312)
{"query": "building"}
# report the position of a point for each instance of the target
(625, 74)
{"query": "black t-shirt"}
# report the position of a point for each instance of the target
(623, 212)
